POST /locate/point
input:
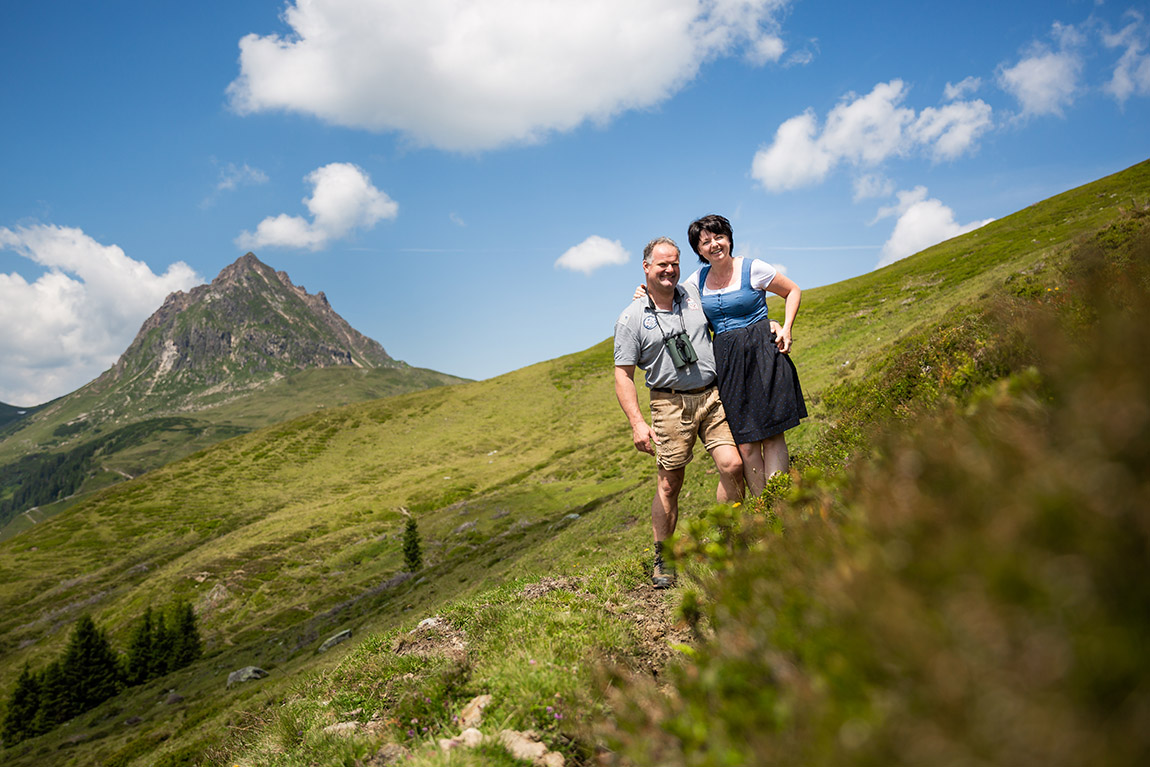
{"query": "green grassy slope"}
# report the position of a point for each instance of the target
(287, 534)
(273, 514)
(137, 446)
(843, 326)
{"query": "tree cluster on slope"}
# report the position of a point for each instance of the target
(90, 671)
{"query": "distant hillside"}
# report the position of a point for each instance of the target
(247, 350)
(286, 535)
(11, 413)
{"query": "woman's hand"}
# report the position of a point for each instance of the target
(640, 292)
(783, 340)
(791, 294)
(784, 344)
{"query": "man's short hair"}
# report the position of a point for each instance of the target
(647, 251)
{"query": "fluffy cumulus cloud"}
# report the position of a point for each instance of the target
(1047, 79)
(343, 200)
(477, 75)
(592, 253)
(865, 131)
(72, 323)
(1132, 72)
(922, 222)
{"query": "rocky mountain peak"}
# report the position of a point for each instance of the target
(249, 326)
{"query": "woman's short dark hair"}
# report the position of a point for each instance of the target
(714, 224)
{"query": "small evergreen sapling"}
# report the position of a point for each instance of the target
(412, 552)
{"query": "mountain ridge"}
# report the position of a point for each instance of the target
(249, 323)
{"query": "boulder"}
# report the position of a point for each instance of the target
(469, 738)
(472, 713)
(246, 674)
(332, 641)
(530, 748)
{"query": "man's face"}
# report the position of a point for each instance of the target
(663, 270)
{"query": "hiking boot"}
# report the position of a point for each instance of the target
(663, 576)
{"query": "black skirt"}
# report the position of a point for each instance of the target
(758, 385)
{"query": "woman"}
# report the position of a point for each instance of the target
(758, 383)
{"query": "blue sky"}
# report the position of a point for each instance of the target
(472, 183)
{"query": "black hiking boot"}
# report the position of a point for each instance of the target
(663, 576)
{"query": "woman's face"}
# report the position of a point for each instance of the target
(714, 246)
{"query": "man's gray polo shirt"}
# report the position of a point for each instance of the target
(639, 334)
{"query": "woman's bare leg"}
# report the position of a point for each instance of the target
(763, 459)
(775, 455)
(754, 470)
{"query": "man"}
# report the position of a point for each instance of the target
(653, 334)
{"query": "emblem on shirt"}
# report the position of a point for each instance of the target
(691, 303)
(649, 321)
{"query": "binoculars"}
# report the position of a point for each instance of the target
(681, 350)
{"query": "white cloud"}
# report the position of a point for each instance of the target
(478, 75)
(1132, 72)
(1046, 81)
(343, 199)
(866, 131)
(232, 176)
(964, 88)
(73, 322)
(951, 130)
(796, 158)
(922, 222)
(592, 253)
(871, 185)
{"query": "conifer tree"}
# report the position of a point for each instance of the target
(140, 661)
(19, 719)
(56, 701)
(412, 553)
(186, 644)
(163, 646)
(90, 667)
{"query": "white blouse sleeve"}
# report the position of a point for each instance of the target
(761, 274)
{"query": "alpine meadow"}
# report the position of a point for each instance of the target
(954, 571)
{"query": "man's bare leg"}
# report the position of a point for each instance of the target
(730, 467)
(664, 518)
(665, 505)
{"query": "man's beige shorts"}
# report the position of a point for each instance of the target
(677, 419)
